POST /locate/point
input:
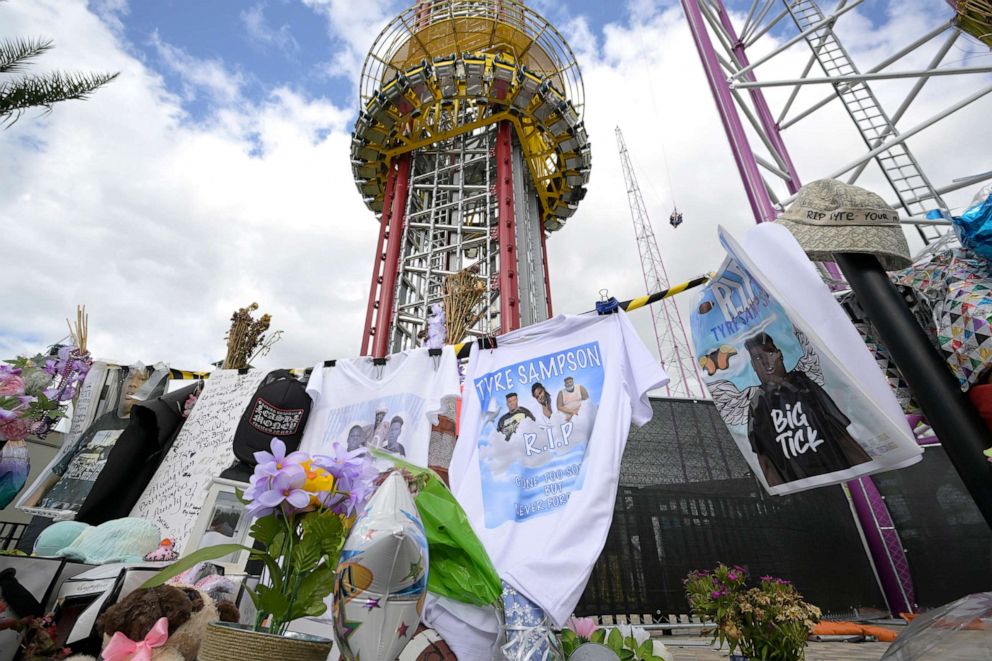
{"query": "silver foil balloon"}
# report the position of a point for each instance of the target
(381, 578)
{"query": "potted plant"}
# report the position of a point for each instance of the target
(304, 508)
(770, 621)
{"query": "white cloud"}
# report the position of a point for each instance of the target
(260, 31)
(199, 75)
(164, 226)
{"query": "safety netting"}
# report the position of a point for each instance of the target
(687, 500)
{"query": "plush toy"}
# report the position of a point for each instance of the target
(164, 623)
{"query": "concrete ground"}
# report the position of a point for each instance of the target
(691, 650)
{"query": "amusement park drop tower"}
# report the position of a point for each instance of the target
(470, 148)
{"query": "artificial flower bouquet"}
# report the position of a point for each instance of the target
(34, 391)
(303, 506)
(770, 621)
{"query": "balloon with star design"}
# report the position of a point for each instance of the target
(381, 577)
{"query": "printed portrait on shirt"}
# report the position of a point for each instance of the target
(792, 411)
(381, 424)
(540, 416)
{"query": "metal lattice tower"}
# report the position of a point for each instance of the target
(471, 149)
(673, 343)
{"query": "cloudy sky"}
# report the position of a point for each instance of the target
(214, 171)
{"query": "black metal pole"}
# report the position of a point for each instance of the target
(954, 420)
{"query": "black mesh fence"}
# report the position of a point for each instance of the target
(687, 500)
(948, 544)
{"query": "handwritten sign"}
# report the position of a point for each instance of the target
(203, 448)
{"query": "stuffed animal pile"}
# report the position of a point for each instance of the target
(164, 623)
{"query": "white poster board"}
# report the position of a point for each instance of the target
(203, 448)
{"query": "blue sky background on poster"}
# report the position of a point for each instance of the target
(542, 462)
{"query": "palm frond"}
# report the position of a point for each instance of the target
(14, 53)
(42, 91)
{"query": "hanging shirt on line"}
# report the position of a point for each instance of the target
(390, 407)
(544, 423)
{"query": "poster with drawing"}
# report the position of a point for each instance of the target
(798, 415)
(540, 415)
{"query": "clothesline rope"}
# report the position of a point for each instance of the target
(462, 348)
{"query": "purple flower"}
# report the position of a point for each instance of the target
(272, 463)
(767, 578)
(341, 463)
(732, 575)
(51, 367)
(283, 489)
(716, 594)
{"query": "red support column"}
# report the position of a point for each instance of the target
(378, 264)
(509, 295)
(547, 271)
(385, 272)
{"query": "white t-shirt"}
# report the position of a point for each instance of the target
(390, 407)
(545, 418)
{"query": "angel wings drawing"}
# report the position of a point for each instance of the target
(793, 425)
(733, 403)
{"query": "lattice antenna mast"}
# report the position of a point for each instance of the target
(673, 343)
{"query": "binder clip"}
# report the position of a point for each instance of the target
(487, 342)
(435, 355)
(606, 304)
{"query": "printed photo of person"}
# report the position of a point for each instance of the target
(393, 438)
(570, 398)
(515, 414)
(380, 429)
(794, 427)
(356, 438)
(543, 398)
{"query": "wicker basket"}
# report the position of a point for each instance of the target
(238, 642)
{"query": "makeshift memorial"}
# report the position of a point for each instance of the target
(958, 287)
(627, 642)
(390, 406)
(770, 621)
(463, 291)
(73, 472)
(544, 423)
(223, 519)
(801, 395)
(202, 449)
(279, 408)
(33, 395)
(829, 216)
(166, 552)
(304, 507)
(529, 634)
(154, 425)
(120, 540)
(381, 581)
(460, 567)
(247, 339)
(164, 623)
(437, 332)
(958, 630)
(974, 226)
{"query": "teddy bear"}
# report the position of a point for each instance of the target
(164, 623)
